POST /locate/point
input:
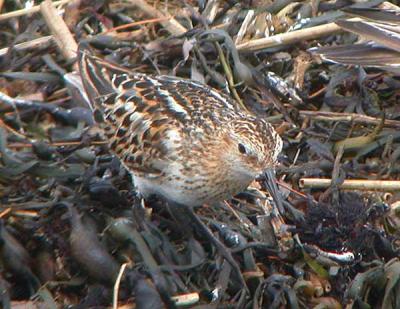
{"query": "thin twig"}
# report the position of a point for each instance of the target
(117, 284)
(171, 24)
(287, 187)
(291, 37)
(136, 23)
(229, 76)
(352, 184)
(317, 93)
(31, 10)
(186, 299)
(355, 143)
(63, 37)
(216, 77)
(58, 144)
(348, 117)
(29, 44)
(5, 212)
(243, 28)
(25, 213)
(10, 129)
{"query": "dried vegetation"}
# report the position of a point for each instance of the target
(73, 232)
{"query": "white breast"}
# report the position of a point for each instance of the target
(171, 190)
(193, 190)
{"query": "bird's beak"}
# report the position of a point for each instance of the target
(269, 180)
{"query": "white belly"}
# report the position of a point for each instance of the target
(192, 191)
(171, 191)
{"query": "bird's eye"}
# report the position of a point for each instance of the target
(242, 148)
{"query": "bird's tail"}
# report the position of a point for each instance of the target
(97, 77)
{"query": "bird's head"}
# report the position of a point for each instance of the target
(253, 146)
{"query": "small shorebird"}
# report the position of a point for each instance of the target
(181, 140)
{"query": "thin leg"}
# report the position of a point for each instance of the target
(222, 249)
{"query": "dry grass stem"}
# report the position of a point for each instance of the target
(244, 26)
(352, 184)
(171, 25)
(63, 37)
(31, 10)
(28, 45)
(349, 117)
(218, 197)
(229, 76)
(137, 23)
(186, 299)
(117, 284)
(291, 37)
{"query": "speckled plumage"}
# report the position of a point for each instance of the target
(180, 139)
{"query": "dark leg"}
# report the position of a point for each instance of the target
(222, 249)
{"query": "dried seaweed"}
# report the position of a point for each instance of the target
(321, 232)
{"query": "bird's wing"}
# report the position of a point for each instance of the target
(146, 118)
